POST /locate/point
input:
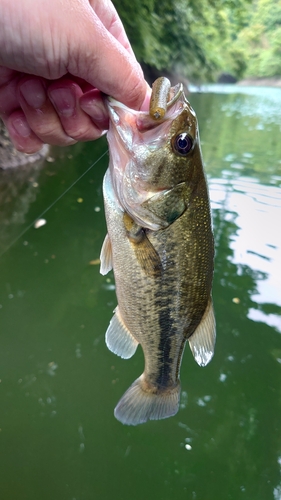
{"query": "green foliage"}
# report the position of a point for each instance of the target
(201, 38)
(260, 41)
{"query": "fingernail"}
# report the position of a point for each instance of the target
(94, 108)
(33, 93)
(21, 127)
(64, 101)
(98, 113)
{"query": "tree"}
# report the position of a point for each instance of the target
(260, 41)
(193, 37)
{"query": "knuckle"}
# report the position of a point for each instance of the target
(50, 134)
(85, 133)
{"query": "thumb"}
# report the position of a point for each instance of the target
(100, 59)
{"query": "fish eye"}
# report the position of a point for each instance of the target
(182, 144)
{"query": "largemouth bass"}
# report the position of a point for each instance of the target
(160, 246)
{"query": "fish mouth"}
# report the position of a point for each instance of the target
(176, 93)
(142, 119)
(175, 105)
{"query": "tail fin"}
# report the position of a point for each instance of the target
(138, 405)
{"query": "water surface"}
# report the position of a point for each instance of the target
(59, 383)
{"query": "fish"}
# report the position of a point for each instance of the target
(160, 246)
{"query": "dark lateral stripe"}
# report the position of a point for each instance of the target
(167, 332)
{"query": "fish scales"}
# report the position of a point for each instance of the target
(160, 306)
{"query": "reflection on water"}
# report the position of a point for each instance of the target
(256, 210)
(262, 103)
(18, 190)
(59, 383)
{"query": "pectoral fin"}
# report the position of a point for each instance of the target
(119, 339)
(202, 341)
(106, 256)
(145, 252)
(148, 258)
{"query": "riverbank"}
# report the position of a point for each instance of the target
(274, 81)
(11, 158)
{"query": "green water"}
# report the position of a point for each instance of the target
(59, 384)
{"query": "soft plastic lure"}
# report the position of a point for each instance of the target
(159, 98)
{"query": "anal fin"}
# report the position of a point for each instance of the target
(202, 341)
(119, 339)
(106, 256)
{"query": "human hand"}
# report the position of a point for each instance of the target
(55, 62)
